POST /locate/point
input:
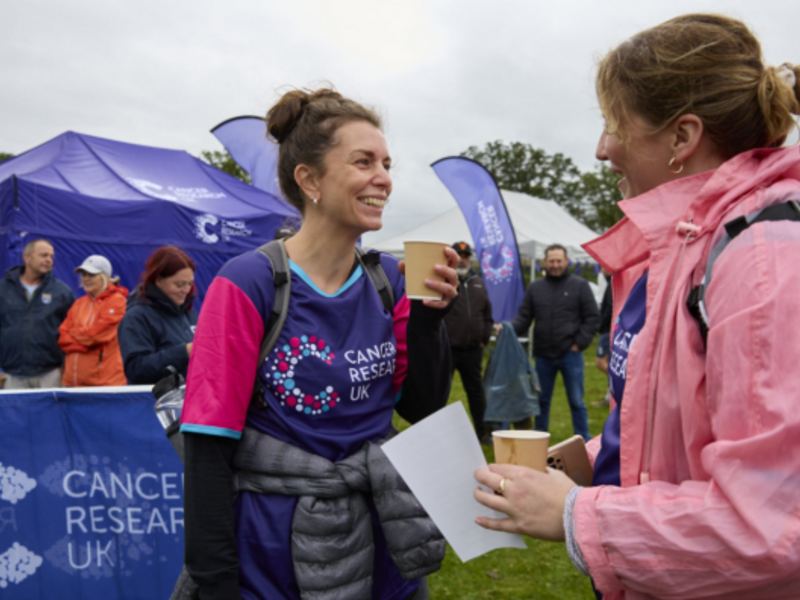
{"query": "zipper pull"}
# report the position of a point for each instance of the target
(687, 229)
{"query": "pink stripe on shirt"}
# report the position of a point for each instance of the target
(402, 309)
(222, 369)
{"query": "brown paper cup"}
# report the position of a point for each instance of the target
(420, 258)
(522, 447)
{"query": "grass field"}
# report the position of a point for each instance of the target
(543, 571)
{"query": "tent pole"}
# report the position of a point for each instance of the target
(16, 193)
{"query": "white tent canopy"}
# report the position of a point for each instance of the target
(537, 223)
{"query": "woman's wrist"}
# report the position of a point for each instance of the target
(427, 315)
(573, 549)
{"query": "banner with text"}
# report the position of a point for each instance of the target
(480, 200)
(91, 497)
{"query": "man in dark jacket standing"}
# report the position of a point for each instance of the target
(566, 319)
(32, 306)
(469, 326)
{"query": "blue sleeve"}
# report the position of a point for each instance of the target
(138, 343)
(525, 315)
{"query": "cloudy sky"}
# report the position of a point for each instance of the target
(446, 74)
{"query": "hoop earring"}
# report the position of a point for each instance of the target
(671, 170)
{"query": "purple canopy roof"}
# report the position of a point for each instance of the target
(101, 168)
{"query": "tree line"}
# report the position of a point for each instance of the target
(589, 196)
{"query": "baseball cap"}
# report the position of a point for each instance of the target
(462, 248)
(95, 264)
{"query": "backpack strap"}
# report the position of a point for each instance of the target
(785, 211)
(371, 263)
(275, 251)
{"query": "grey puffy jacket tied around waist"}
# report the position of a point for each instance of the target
(332, 541)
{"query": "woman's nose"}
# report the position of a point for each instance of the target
(600, 151)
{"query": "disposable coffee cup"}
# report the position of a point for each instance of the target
(522, 447)
(420, 257)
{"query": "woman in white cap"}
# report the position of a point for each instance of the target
(88, 336)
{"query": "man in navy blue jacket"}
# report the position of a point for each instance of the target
(566, 318)
(33, 304)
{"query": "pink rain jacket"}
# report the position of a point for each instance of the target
(710, 439)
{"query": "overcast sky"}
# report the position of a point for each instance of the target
(444, 74)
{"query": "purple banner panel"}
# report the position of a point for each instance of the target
(479, 198)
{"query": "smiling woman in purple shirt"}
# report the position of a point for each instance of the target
(342, 364)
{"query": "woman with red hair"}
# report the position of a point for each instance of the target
(158, 329)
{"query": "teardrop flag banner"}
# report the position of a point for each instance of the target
(245, 139)
(479, 198)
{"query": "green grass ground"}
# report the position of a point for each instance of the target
(543, 571)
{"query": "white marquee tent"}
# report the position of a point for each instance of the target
(537, 223)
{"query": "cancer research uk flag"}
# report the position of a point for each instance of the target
(479, 198)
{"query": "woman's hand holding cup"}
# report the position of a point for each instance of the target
(447, 290)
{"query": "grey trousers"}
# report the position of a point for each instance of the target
(51, 379)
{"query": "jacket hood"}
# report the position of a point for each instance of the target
(114, 289)
(153, 296)
(14, 273)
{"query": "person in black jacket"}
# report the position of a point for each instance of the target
(469, 327)
(566, 318)
(158, 328)
(33, 304)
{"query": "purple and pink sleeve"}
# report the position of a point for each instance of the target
(402, 309)
(222, 368)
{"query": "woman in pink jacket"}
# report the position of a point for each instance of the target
(697, 473)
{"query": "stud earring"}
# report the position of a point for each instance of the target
(673, 171)
(315, 201)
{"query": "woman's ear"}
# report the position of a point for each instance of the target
(687, 133)
(307, 181)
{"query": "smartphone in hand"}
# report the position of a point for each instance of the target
(571, 457)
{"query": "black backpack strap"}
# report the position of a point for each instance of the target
(275, 251)
(371, 263)
(785, 211)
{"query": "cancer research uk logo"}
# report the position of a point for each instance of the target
(211, 229)
(363, 367)
(17, 563)
(504, 271)
(285, 361)
(172, 192)
(117, 521)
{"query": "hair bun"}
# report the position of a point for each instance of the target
(286, 113)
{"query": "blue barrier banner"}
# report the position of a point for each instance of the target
(91, 497)
(479, 198)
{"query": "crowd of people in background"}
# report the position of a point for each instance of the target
(108, 336)
(112, 336)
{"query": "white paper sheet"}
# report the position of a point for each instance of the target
(437, 458)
